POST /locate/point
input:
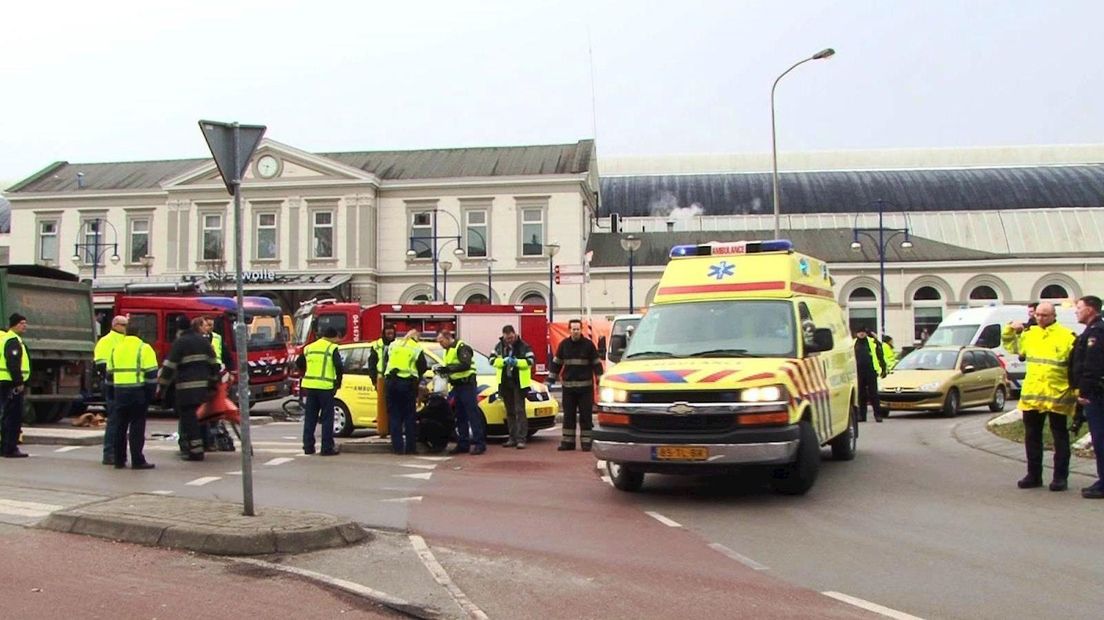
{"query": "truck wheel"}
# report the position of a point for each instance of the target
(845, 444)
(625, 479)
(799, 476)
(343, 422)
(999, 397)
(950, 406)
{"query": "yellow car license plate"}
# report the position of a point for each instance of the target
(680, 453)
(542, 411)
(270, 388)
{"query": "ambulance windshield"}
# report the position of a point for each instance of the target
(730, 328)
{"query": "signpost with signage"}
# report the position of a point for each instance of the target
(232, 146)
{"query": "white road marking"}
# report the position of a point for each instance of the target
(418, 465)
(439, 574)
(161, 492)
(289, 437)
(234, 473)
(867, 605)
(341, 584)
(742, 559)
(198, 482)
(433, 458)
(424, 476)
(17, 508)
(662, 519)
(607, 480)
(280, 460)
(416, 498)
(600, 465)
(68, 448)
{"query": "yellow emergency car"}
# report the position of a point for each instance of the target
(743, 359)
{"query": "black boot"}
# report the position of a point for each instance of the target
(566, 446)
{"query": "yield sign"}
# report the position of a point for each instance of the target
(231, 145)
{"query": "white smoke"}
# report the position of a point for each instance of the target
(666, 204)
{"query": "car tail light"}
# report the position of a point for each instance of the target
(1003, 364)
(761, 419)
(613, 419)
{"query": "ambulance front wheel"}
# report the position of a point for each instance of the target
(625, 479)
(799, 476)
(846, 443)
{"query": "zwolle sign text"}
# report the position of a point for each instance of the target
(263, 275)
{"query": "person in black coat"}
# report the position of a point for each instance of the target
(188, 377)
(870, 363)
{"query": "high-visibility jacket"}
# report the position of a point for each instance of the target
(452, 359)
(522, 353)
(321, 374)
(889, 354)
(105, 345)
(1047, 352)
(132, 363)
(379, 351)
(5, 372)
(216, 344)
(402, 357)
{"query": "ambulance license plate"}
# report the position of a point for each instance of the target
(542, 411)
(680, 453)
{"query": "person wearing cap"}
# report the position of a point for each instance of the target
(187, 379)
(322, 371)
(102, 353)
(15, 371)
(870, 363)
(888, 353)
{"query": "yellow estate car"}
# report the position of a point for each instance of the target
(945, 379)
(355, 402)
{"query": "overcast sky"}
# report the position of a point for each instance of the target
(127, 80)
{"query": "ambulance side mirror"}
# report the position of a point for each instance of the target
(822, 341)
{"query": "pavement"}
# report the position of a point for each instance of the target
(973, 432)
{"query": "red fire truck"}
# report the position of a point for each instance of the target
(480, 325)
(157, 317)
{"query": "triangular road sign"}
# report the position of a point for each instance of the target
(231, 162)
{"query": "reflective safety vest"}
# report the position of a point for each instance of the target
(381, 352)
(451, 358)
(1047, 349)
(525, 378)
(132, 363)
(105, 345)
(402, 356)
(5, 374)
(874, 355)
(216, 344)
(320, 373)
(890, 355)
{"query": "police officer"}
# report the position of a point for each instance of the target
(513, 358)
(1087, 376)
(1046, 393)
(578, 360)
(888, 353)
(15, 371)
(471, 425)
(870, 364)
(405, 366)
(101, 353)
(322, 371)
(132, 374)
(377, 362)
(187, 379)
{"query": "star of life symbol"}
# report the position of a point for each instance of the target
(721, 270)
(803, 265)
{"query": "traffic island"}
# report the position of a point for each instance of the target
(206, 526)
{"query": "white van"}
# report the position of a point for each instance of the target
(982, 327)
(621, 330)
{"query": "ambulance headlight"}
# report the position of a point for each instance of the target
(763, 394)
(612, 395)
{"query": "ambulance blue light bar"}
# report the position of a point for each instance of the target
(734, 247)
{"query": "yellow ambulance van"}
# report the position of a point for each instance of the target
(744, 359)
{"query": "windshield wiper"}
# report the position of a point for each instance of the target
(722, 353)
(651, 353)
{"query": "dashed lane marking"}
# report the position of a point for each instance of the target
(418, 465)
(742, 559)
(161, 492)
(198, 482)
(867, 605)
(434, 458)
(68, 448)
(416, 498)
(234, 473)
(280, 460)
(441, 576)
(17, 508)
(662, 519)
(422, 476)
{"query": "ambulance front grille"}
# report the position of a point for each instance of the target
(671, 423)
(666, 397)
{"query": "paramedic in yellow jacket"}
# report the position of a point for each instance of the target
(1046, 392)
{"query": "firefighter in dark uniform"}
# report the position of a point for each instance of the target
(870, 364)
(577, 359)
(188, 377)
(132, 373)
(1087, 376)
(15, 371)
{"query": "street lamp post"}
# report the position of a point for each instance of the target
(881, 242)
(631, 244)
(433, 247)
(490, 291)
(824, 53)
(147, 262)
(550, 250)
(445, 266)
(94, 251)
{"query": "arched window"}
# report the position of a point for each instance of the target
(1054, 291)
(862, 309)
(535, 299)
(983, 295)
(478, 298)
(927, 312)
(420, 299)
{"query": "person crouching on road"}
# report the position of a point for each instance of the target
(1046, 393)
(513, 358)
(188, 377)
(15, 371)
(578, 360)
(1087, 376)
(471, 425)
(870, 363)
(322, 371)
(132, 375)
(405, 366)
(104, 346)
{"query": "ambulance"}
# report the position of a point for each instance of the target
(743, 360)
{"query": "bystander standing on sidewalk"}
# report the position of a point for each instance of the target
(1087, 376)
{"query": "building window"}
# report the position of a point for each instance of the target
(420, 298)
(48, 242)
(478, 298)
(1054, 291)
(212, 236)
(532, 232)
(421, 234)
(323, 234)
(139, 240)
(266, 236)
(476, 234)
(983, 295)
(535, 299)
(862, 310)
(927, 312)
(93, 242)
